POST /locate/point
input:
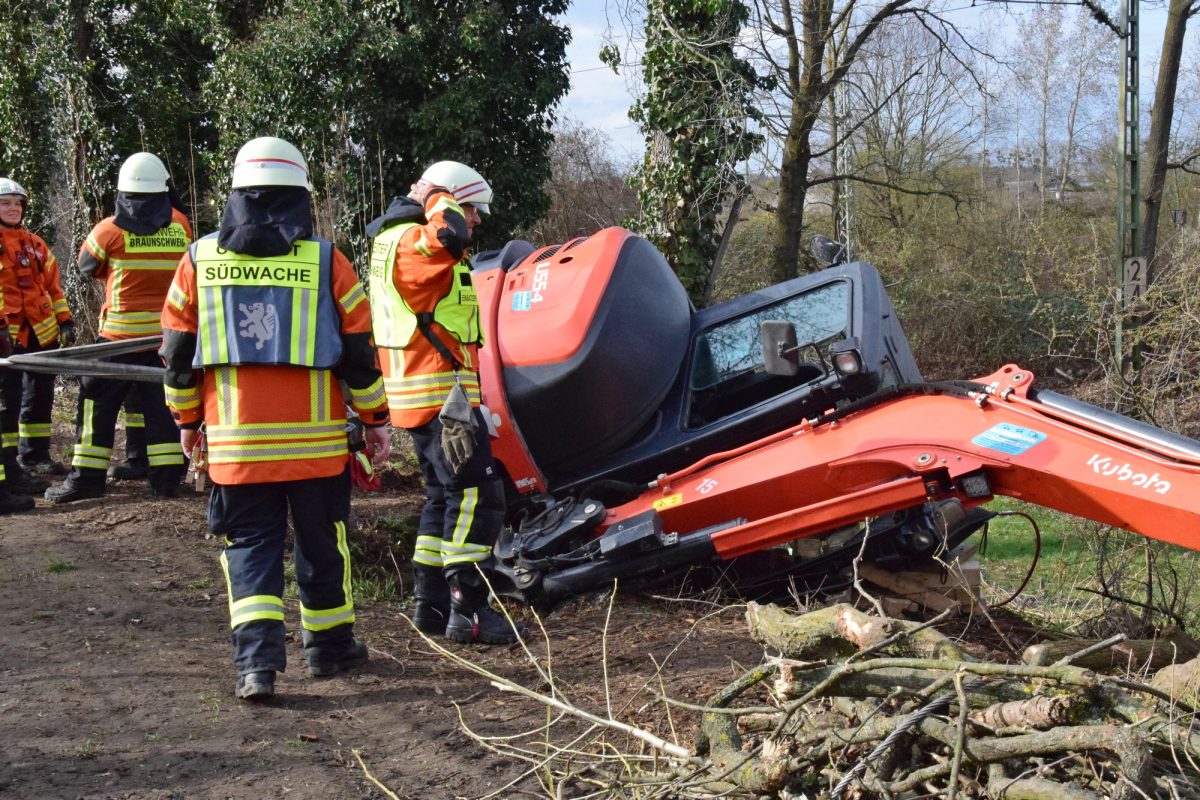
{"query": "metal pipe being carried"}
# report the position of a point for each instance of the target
(88, 360)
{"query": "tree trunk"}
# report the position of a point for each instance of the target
(809, 90)
(793, 191)
(1161, 116)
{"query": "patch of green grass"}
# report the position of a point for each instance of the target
(290, 591)
(1065, 589)
(376, 586)
(61, 566)
(200, 585)
(86, 749)
(210, 706)
(296, 743)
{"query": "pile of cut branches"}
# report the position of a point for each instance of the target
(847, 705)
(874, 707)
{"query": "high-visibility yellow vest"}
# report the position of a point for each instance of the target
(266, 310)
(393, 321)
(139, 279)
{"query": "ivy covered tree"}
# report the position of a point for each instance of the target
(27, 146)
(696, 115)
(371, 90)
(375, 90)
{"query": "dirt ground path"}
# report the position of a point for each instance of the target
(115, 675)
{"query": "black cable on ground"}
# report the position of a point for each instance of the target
(1037, 554)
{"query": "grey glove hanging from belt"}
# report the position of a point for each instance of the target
(458, 427)
(457, 415)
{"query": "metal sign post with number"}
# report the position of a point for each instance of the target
(1132, 279)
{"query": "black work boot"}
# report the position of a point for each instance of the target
(41, 464)
(471, 618)
(74, 488)
(13, 503)
(432, 593)
(257, 686)
(320, 666)
(19, 481)
(166, 481)
(130, 470)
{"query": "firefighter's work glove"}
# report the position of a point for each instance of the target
(458, 428)
(421, 190)
(66, 334)
(6, 342)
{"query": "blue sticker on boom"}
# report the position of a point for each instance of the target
(1011, 440)
(522, 301)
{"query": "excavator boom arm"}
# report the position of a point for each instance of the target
(969, 445)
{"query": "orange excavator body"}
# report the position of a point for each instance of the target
(928, 447)
(639, 436)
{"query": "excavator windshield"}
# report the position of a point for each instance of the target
(727, 371)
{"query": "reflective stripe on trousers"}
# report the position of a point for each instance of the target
(253, 519)
(463, 512)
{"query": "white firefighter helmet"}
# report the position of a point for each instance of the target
(143, 173)
(9, 186)
(270, 161)
(467, 185)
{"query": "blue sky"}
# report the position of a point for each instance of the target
(599, 99)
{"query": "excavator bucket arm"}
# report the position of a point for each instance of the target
(966, 441)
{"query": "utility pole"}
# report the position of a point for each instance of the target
(845, 163)
(1131, 266)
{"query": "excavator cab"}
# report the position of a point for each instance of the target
(600, 376)
(606, 373)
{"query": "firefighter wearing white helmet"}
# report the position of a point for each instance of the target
(269, 161)
(268, 314)
(426, 322)
(10, 188)
(37, 317)
(467, 185)
(142, 173)
(132, 253)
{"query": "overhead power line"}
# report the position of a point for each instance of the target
(1098, 13)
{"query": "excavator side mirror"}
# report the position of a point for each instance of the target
(781, 355)
(826, 251)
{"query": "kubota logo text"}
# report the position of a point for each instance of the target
(1123, 472)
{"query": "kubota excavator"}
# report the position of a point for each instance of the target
(638, 436)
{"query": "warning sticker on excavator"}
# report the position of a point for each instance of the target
(1011, 440)
(669, 501)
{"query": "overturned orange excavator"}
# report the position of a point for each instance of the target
(638, 436)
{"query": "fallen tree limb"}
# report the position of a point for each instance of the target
(1127, 746)
(841, 631)
(1041, 789)
(1130, 655)
(1038, 713)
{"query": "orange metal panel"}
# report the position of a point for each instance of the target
(805, 482)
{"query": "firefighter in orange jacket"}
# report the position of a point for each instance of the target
(9, 503)
(38, 320)
(426, 322)
(135, 253)
(263, 325)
